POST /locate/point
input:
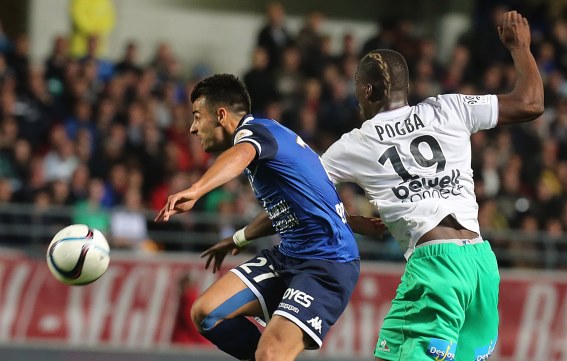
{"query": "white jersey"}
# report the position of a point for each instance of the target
(414, 163)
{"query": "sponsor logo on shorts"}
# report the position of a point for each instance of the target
(289, 307)
(442, 350)
(484, 352)
(383, 346)
(298, 296)
(316, 323)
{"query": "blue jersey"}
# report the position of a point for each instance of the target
(289, 180)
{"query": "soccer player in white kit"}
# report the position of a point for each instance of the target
(414, 164)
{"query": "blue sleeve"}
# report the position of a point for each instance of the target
(260, 137)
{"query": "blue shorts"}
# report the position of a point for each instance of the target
(312, 293)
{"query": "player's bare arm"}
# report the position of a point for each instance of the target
(367, 226)
(525, 102)
(228, 165)
(260, 226)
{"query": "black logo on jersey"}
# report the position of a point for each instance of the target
(407, 126)
(436, 187)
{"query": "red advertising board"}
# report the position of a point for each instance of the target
(134, 304)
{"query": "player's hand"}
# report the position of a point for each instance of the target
(218, 253)
(514, 31)
(177, 203)
(367, 226)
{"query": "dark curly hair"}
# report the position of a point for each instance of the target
(223, 90)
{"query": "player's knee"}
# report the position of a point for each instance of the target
(267, 352)
(198, 314)
(203, 317)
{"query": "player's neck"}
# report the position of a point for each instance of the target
(396, 101)
(233, 121)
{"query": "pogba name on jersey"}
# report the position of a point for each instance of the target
(404, 127)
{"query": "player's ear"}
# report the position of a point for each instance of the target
(375, 92)
(368, 91)
(221, 115)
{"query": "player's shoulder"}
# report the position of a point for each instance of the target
(441, 100)
(457, 100)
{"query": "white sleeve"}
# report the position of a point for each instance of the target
(476, 112)
(337, 162)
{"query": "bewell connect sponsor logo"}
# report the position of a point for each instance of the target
(436, 187)
(441, 350)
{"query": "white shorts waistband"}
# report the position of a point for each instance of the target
(458, 242)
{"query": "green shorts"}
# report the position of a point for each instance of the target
(446, 306)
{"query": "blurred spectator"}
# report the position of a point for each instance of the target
(7, 218)
(18, 60)
(45, 222)
(559, 41)
(483, 40)
(4, 41)
(105, 68)
(129, 62)
(289, 80)
(383, 38)
(90, 210)
(225, 194)
(274, 36)
(259, 82)
(310, 44)
(184, 330)
(116, 185)
(61, 162)
(60, 193)
(490, 175)
(55, 65)
(349, 50)
(128, 227)
(79, 185)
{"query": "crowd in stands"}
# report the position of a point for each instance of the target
(111, 138)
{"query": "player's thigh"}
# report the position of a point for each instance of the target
(317, 295)
(229, 288)
(281, 340)
(479, 334)
(426, 314)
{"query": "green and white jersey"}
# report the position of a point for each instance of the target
(414, 163)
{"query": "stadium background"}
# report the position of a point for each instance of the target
(94, 130)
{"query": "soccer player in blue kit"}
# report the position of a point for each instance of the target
(299, 287)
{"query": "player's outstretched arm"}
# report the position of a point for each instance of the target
(525, 102)
(227, 166)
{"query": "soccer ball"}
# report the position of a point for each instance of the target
(78, 255)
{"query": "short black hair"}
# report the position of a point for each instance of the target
(223, 90)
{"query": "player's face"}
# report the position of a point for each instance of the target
(207, 127)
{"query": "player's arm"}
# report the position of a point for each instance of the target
(260, 226)
(366, 226)
(525, 102)
(227, 166)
